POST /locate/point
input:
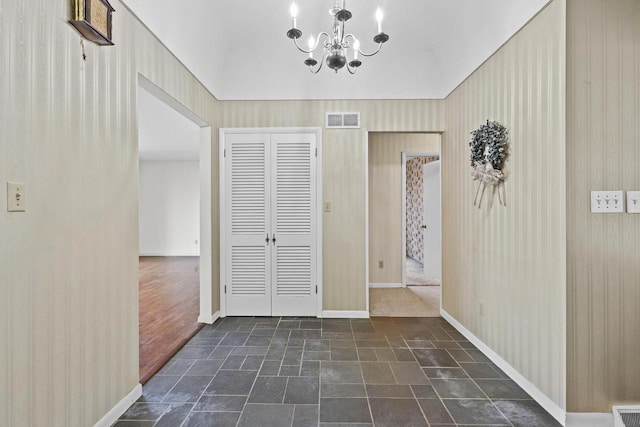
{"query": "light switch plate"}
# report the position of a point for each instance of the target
(607, 202)
(15, 197)
(327, 206)
(633, 201)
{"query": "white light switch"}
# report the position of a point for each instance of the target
(15, 197)
(607, 202)
(633, 201)
(327, 206)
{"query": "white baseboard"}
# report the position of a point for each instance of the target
(209, 318)
(112, 416)
(549, 405)
(340, 314)
(169, 255)
(386, 285)
(581, 419)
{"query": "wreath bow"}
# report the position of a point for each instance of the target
(487, 175)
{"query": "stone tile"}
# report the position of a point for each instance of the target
(424, 392)
(217, 403)
(330, 325)
(269, 368)
(339, 410)
(232, 382)
(502, 389)
(436, 357)
(289, 324)
(408, 373)
(310, 368)
(233, 362)
(435, 411)
(336, 343)
(396, 412)
(268, 390)
(447, 345)
(145, 411)
(221, 352)
(403, 355)
(188, 389)
(480, 370)
(302, 390)
(235, 339)
(305, 416)
(316, 355)
(440, 334)
(289, 371)
(457, 389)
(306, 334)
(212, 419)
(344, 354)
(526, 413)
(252, 363)
(478, 356)
(317, 345)
(175, 415)
(342, 390)
(445, 373)
(276, 352)
(292, 356)
(396, 341)
(377, 373)
(177, 367)
(250, 350)
(367, 355)
(295, 342)
(157, 387)
(460, 355)
(255, 415)
(420, 344)
(385, 355)
(468, 411)
(377, 390)
(137, 423)
(258, 341)
(207, 367)
(340, 372)
(372, 344)
(311, 324)
(194, 352)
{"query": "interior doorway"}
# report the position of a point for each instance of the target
(398, 225)
(174, 159)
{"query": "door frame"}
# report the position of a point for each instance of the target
(407, 155)
(207, 314)
(317, 131)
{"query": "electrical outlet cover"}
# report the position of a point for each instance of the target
(607, 202)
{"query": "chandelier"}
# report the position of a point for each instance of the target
(337, 46)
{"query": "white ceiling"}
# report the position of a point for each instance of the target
(239, 48)
(163, 133)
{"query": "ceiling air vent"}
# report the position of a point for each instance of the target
(343, 120)
(626, 416)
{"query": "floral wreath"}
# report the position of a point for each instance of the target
(489, 149)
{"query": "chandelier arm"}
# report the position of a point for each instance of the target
(351, 71)
(319, 66)
(371, 54)
(295, 41)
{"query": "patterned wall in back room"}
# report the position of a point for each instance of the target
(414, 205)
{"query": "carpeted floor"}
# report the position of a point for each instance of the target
(412, 301)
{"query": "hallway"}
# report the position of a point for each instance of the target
(328, 372)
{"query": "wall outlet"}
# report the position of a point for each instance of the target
(633, 201)
(607, 202)
(380, 264)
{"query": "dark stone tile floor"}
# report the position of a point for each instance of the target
(298, 372)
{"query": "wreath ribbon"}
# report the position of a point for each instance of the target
(485, 174)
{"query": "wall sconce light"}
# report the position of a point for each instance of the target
(92, 19)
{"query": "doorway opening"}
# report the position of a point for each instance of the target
(173, 244)
(404, 231)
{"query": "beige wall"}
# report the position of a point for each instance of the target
(385, 199)
(603, 251)
(344, 179)
(512, 259)
(68, 266)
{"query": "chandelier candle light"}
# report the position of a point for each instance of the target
(338, 45)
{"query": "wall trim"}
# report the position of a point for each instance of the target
(121, 407)
(550, 406)
(169, 255)
(583, 419)
(344, 314)
(386, 285)
(209, 318)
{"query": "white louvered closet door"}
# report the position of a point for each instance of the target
(293, 224)
(247, 252)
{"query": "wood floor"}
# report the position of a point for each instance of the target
(169, 307)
